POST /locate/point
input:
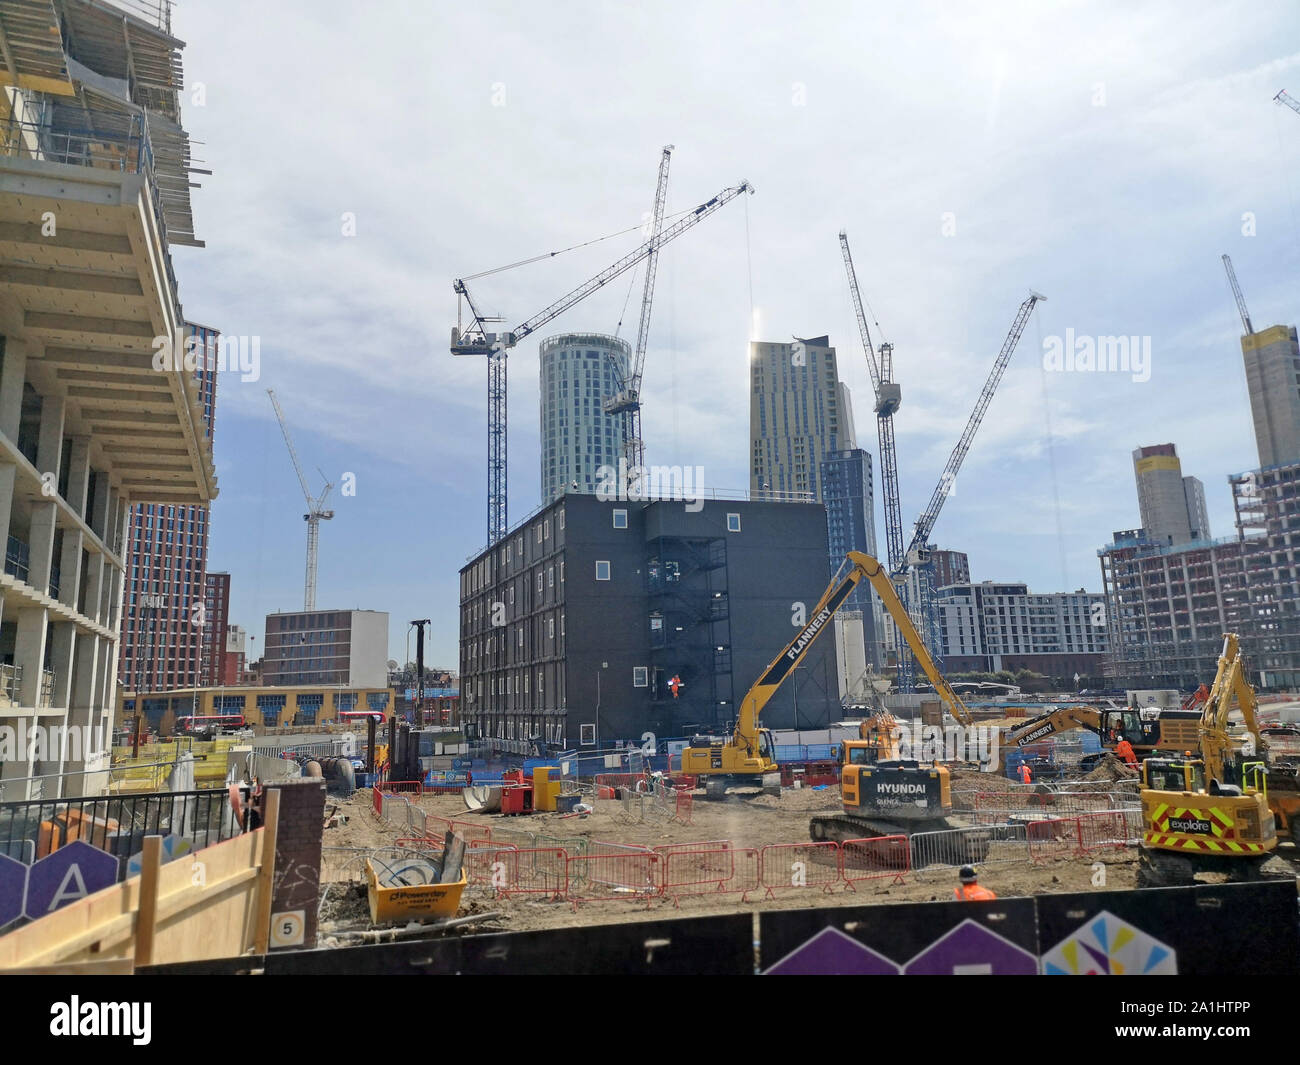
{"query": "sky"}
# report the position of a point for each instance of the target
(364, 156)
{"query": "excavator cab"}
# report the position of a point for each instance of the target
(1171, 774)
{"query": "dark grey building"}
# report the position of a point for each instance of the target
(847, 491)
(574, 626)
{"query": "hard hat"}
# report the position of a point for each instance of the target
(967, 874)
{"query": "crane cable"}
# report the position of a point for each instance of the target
(1051, 452)
(561, 251)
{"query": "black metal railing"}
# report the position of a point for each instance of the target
(117, 824)
(17, 555)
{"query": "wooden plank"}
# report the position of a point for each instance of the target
(147, 919)
(215, 918)
(266, 881)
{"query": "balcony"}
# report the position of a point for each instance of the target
(95, 180)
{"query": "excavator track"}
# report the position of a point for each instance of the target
(969, 847)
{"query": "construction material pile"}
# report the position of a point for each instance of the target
(1111, 768)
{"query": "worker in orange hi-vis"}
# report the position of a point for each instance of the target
(675, 684)
(969, 889)
(1026, 775)
(1124, 750)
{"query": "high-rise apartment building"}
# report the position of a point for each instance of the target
(803, 447)
(163, 623)
(326, 647)
(95, 183)
(578, 438)
(216, 624)
(950, 567)
(1162, 494)
(1197, 514)
(797, 417)
(847, 491)
(1272, 360)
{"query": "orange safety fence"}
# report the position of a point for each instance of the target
(684, 810)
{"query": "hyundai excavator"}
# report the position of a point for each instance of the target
(883, 791)
(1216, 812)
(748, 754)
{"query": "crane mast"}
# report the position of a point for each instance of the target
(627, 396)
(476, 340)
(888, 398)
(1236, 292)
(316, 512)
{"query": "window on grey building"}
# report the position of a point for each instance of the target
(602, 571)
(620, 519)
(733, 523)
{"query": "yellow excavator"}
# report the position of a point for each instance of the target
(1214, 813)
(882, 792)
(1148, 730)
(886, 790)
(748, 754)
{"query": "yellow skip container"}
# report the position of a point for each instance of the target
(405, 889)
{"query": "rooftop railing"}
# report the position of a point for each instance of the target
(127, 153)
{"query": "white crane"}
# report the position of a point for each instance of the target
(316, 511)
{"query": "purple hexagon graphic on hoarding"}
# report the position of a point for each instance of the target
(831, 952)
(971, 949)
(13, 887)
(69, 874)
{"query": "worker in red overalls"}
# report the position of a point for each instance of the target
(969, 889)
(1124, 750)
(1026, 774)
(675, 683)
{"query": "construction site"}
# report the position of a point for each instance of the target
(719, 693)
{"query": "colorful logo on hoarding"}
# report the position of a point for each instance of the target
(1110, 946)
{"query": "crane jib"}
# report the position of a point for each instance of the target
(782, 666)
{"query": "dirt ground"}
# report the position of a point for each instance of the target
(750, 822)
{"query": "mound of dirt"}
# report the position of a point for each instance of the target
(1111, 768)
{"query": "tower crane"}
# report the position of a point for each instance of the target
(476, 340)
(1286, 98)
(316, 512)
(1236, 292)
(917, 553)
(888, 398)
(626, 399)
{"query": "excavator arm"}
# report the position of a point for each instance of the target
(1229, 683)
(746, 751)
(879, 578)
(1059, 720)
(860, 567)
(771, 679)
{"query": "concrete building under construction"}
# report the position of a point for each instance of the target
(95, 179)
(1168, 605)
